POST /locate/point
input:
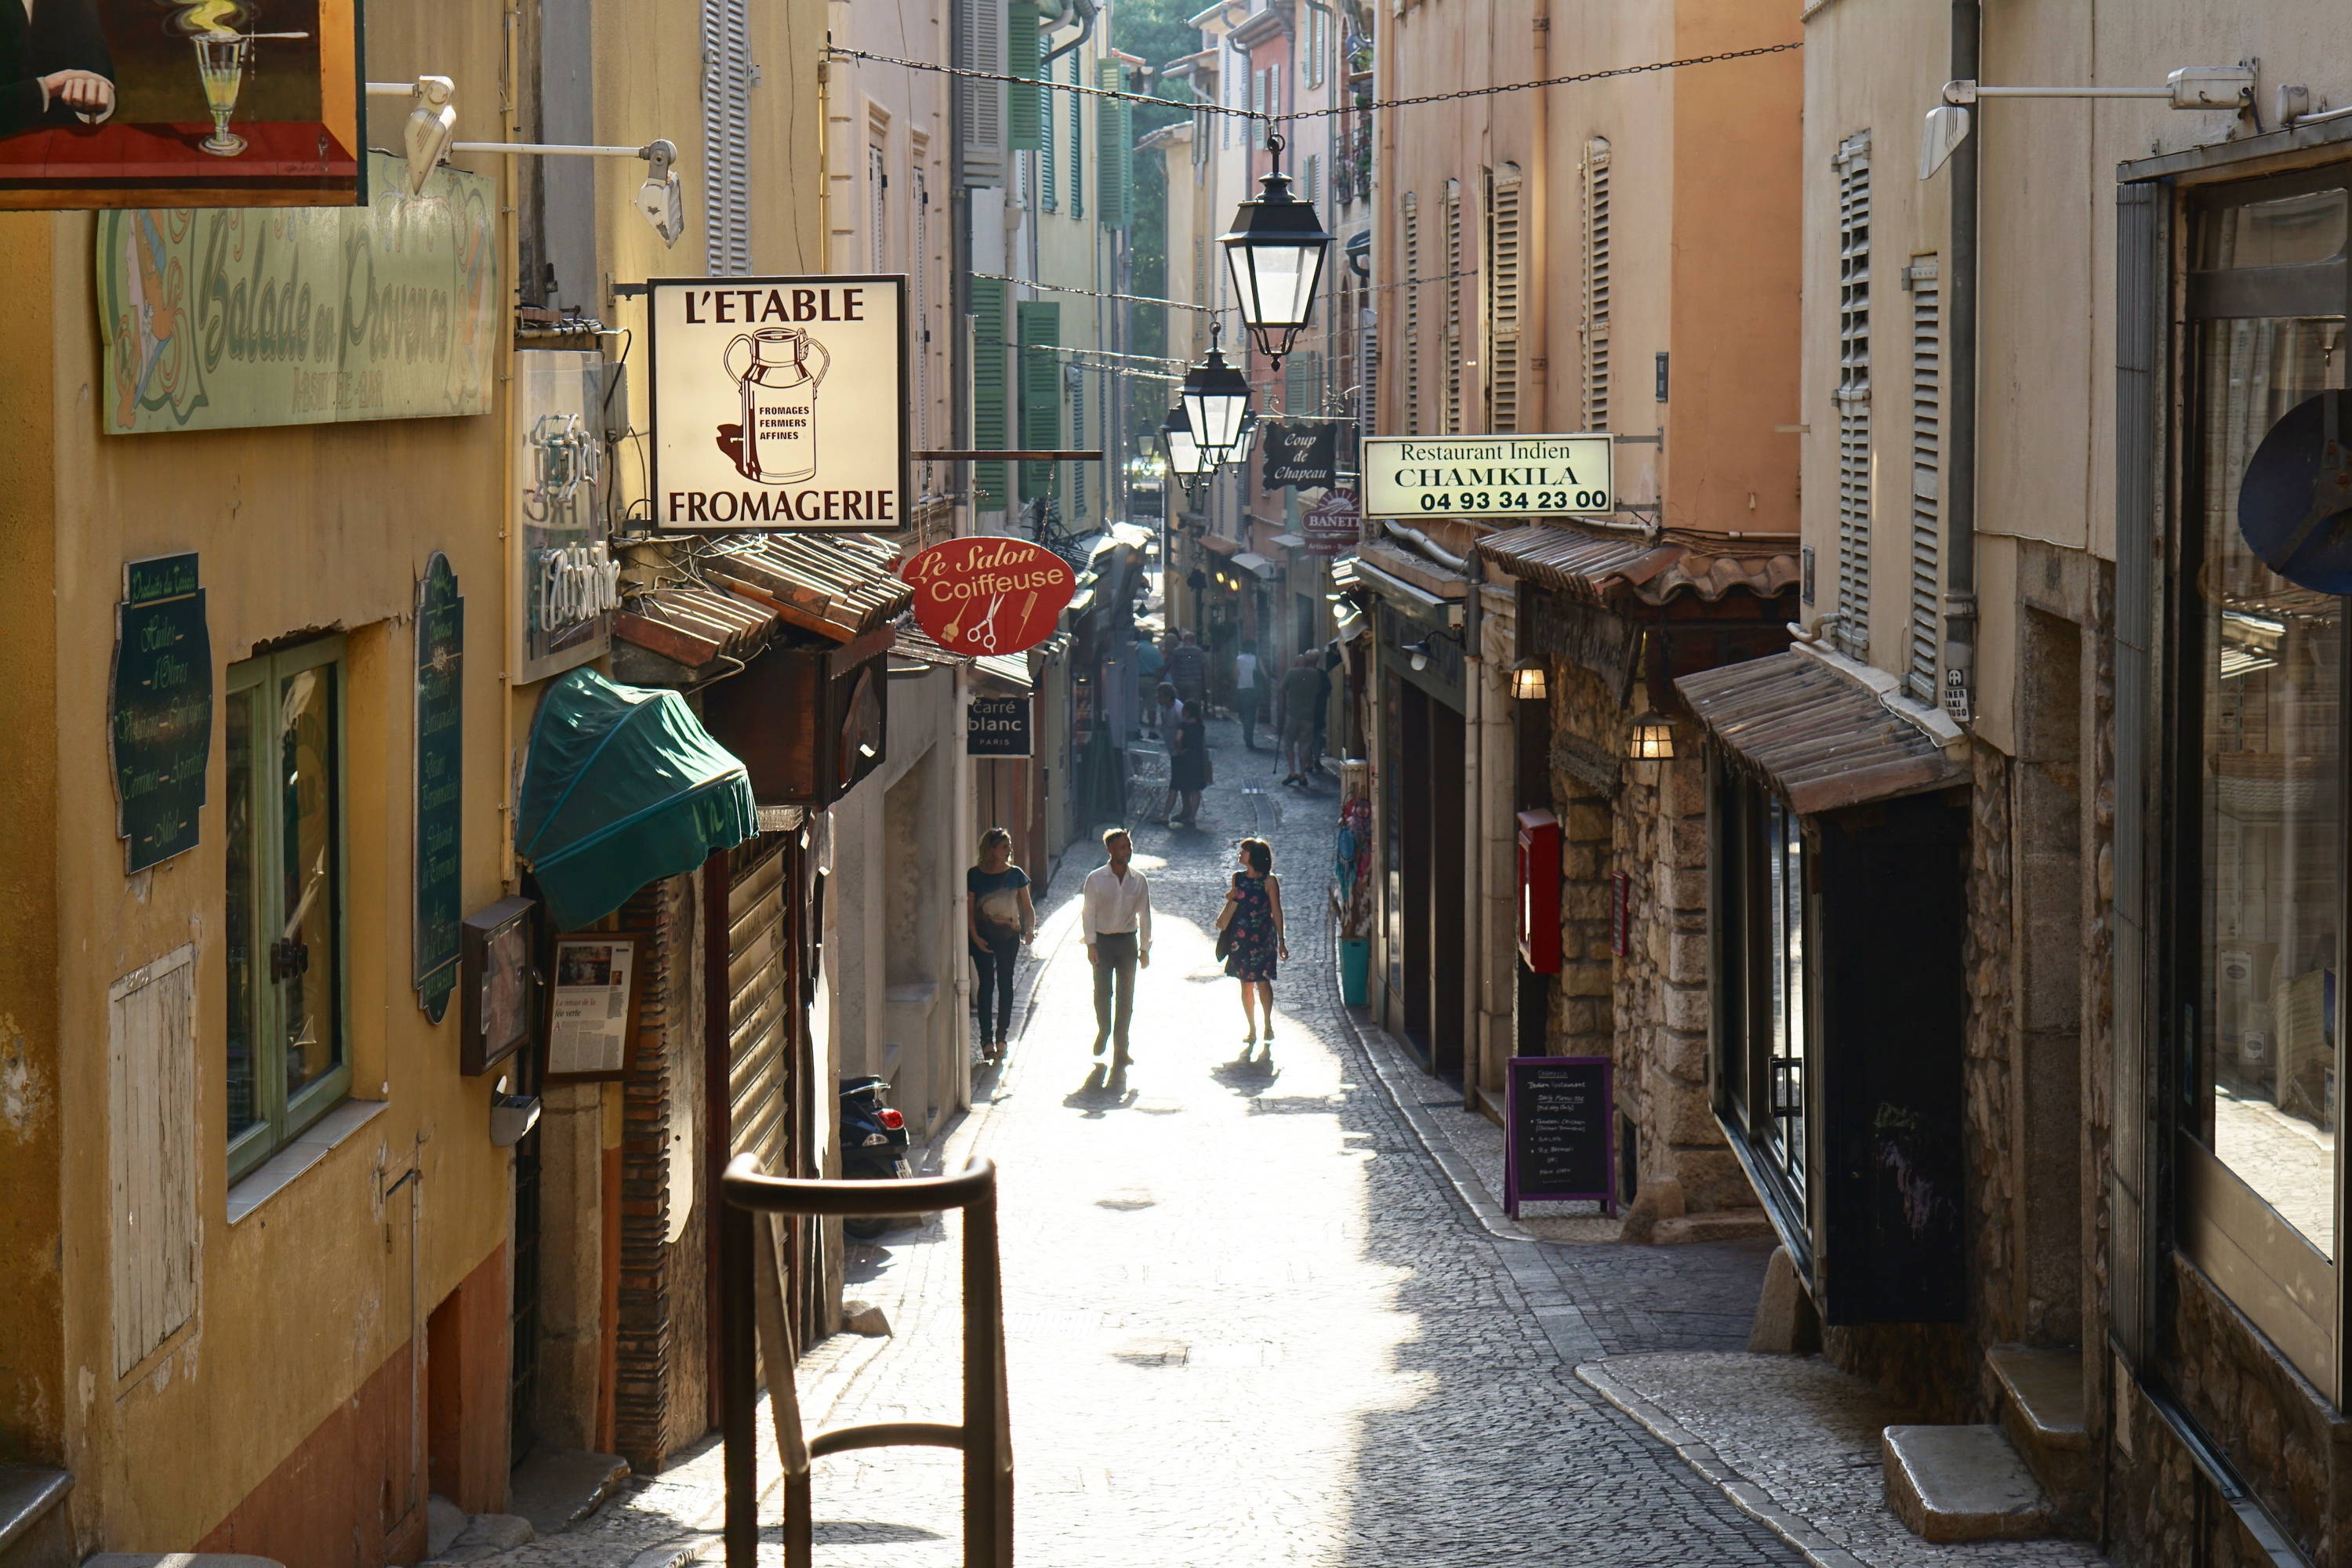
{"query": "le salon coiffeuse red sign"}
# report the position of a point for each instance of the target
(989, 594)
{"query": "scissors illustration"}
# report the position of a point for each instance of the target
(984, 636)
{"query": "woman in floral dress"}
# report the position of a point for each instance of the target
(1252, 921)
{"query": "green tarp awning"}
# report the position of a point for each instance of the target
(623, 786)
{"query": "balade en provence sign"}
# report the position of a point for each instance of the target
(1455, 476)
(780, 403)
(227, 318)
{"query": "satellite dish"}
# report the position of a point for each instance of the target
(2295, 505)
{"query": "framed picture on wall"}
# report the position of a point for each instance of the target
(592, 1007)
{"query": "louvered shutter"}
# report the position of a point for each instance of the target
(1077, 139)
(1596, 285)
(1025, 121)
(1453, 345)
(1411, 313)
(1503, 257)
(1114, 149)
(990, 482)
(1298, 386)
(1079, 438)
(1852, 626)
(1049, 148)
(1041, 391)
(1926, 476)
(980, 105)
(727, 137)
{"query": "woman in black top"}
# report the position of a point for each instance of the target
(1187, 764)
(1002, 920)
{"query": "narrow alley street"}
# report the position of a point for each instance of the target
(1249, 1319)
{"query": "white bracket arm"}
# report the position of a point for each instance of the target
(2230, 87)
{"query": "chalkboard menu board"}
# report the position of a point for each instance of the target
(440, 762)
(160, 723)
(1562, 1116)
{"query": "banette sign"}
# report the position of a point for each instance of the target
(1506, 475)
(779, 403)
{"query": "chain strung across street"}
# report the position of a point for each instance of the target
(1573, 80)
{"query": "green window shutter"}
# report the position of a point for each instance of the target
(1024, 110)
(1079, 438)
(1077, 142)
(1040, 392)
(1114, 149)
(1297, 385)
(1049, 153)
(990, 483)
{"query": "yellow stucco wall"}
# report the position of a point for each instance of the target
(304, 529)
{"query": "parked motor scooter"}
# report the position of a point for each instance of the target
(873, 1142)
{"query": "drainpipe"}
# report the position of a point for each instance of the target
(1085, 9)
(1534, 250)
(1960, 487)
(1473, 774)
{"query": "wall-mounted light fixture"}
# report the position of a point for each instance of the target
(427, 139)
(1651, 739)
(1529, 680)
(2227, 87)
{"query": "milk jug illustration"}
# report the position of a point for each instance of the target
(779, 388)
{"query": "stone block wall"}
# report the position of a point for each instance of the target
(1647, 1009)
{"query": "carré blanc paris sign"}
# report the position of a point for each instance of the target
(1458, 476)
(780, 403)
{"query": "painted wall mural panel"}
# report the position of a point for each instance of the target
(223, 317)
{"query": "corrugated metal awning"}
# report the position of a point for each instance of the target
(1008, 671)
(1594, 564)
(1819, 736)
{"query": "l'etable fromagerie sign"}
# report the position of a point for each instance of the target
(1465, 476)
(780, 403)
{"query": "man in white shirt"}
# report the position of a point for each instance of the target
(1117, 928)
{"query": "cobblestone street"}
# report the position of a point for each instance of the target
(1250, 1319)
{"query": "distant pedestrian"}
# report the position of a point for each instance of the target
(1188, 769)
(1188, 671)
(1148, 666)
(1330, 660)
(1116, 919)
(1301, 684)
(1246, 692)
(1252, 931)
(1001, 921)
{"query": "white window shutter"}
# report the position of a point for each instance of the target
(980, 107)
(727, 137)
(1927, 476)
(1852, 626)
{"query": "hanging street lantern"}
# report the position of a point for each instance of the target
(1275, 254)
(1528, 680)
(1215, 400)
(1238, 453)
(1651, 739)
(1186, 461)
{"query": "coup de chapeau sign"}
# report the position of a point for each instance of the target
(779, 403)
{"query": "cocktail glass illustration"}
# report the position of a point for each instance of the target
(221, 57)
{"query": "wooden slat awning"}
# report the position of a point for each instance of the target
(1597, 565)
(1821, 737)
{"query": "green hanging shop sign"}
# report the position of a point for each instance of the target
(440, 794)
(160, 725)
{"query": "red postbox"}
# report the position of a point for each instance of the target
(1540, 891)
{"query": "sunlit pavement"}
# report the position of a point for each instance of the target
(1248, 1321)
